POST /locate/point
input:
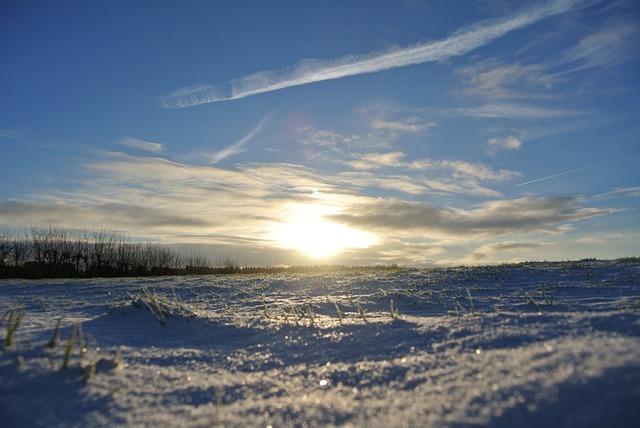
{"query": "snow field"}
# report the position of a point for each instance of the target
(532, 344)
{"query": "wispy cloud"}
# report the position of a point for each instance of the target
(236, 148)
(378, 164)
(514, 111)
(410, 125)
(505, 251)
(625, 191)
(143, 145)
(424, 176)
(313, 70)
(506, 143)
(157, 197)
(495, 80)
(477, 171)
(233, 211)
(10, 134)
(327, 138)
(416, 185)
(364, 153)
(372, 161)
(615, 44)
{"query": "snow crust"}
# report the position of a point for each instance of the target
(528, 345)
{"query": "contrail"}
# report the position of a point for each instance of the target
(572, 171)
(238, 146)
(312, 70)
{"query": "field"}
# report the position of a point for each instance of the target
(532, 344)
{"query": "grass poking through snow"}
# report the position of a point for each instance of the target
(162, 307)
(12, 318)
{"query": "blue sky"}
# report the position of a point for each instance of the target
(357, 132)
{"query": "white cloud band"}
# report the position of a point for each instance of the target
(313, 70)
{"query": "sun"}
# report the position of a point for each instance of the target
(307, 231)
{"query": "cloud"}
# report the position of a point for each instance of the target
(415, 185)
(9, 134)
(238, 147)
(476, 171)
(394, 172)
(523, 215)
(613, 45)
(494, 80)
(625, 191)
(313, 70)
(129, 216)
(505, 251)
(402, 184)
(207, 200)
(361, 153)
(513, 111)
(327, 138)
(409, 125)
(383, 132)
(508, 246)
(424, 176)
(192, 96)
(232, 212)
(371, 161)
(506, 143)
(143, 145)
(509, 143)
(141, 195)
(334, 147)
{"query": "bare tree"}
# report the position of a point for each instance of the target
(48, 251)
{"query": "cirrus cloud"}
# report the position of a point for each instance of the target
(147, 146)
(308, 71)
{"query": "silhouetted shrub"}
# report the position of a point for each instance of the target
(53, 252)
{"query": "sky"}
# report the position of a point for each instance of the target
(407, 132)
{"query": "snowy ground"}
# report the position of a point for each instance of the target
(539, 344)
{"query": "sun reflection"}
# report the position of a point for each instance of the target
(306, 230)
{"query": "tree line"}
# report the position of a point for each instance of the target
(54, 252)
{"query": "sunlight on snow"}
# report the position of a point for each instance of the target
(305, 230)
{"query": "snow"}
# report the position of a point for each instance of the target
(532, 344)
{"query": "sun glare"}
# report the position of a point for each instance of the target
(308, 232)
